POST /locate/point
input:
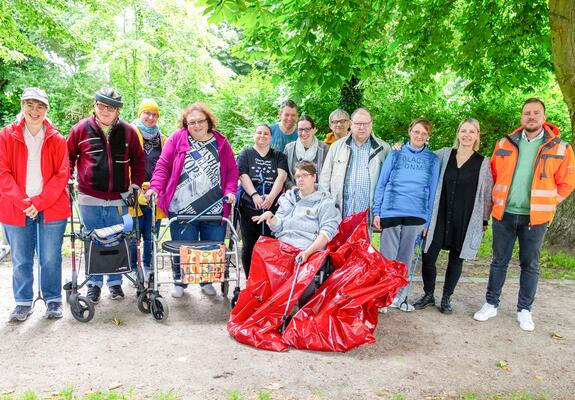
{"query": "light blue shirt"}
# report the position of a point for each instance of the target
(357, 180)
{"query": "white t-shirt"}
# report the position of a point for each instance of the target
(34, 181)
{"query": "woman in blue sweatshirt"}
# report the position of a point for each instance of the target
(404, 196)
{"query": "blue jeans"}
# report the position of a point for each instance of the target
(505, 233)
(22, 240)
(145, 226)
(204, 231)
(94, 217)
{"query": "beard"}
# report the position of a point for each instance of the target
(533, 129)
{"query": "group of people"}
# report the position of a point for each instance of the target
(291, 185)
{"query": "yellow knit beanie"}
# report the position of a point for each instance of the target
(148, 105)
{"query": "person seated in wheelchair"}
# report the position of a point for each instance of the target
(307, 218)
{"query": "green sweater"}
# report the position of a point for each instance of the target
(519, 199)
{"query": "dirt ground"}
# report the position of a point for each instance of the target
(422, 355)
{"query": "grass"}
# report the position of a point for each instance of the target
(68, 394)
(498, 396)
(554, 264)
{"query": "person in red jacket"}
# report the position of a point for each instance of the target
(110, 163)
(33, 177)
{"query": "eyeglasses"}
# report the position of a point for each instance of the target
(304, 130)
(301, 176)
(150, 114)
(196, 123)
(339, 121)
(35, 107)
(420, 133)
(102, 107)
(361, 124)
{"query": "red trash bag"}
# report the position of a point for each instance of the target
(341, 315)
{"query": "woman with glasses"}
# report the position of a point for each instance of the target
(33, 175)
(306, 217)
(403, 199)
(263, 172)
(306, 147)
(196, 172)
(152, 141)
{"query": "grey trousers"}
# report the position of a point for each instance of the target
(398, 243)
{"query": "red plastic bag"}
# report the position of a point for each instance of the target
(340, 316)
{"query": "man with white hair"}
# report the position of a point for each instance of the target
(351, 168)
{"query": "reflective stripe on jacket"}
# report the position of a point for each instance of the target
(553, 178)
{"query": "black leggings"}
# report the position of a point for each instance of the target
(251, 232)
(429, 271)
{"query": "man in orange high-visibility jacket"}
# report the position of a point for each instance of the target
(533, 171)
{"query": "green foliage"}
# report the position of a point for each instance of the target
(239, 115)
(32, 28)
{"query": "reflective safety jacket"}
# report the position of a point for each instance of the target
(553, 178)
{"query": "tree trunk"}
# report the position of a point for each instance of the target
(562, 18)
(351, 95)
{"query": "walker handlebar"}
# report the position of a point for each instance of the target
(205, 218)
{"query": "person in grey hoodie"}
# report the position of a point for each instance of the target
(306, 218)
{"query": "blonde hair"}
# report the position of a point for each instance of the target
(475, 124)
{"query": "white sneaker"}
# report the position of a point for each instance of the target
(134, 276)
(486, 312)
(525, 320)
(398, 303)
(406, 307)
(382, 310)
(177, 291)
(209, 290)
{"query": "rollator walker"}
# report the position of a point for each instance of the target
(200, 261)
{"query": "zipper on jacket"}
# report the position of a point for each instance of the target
(539, 153)
(110, 163)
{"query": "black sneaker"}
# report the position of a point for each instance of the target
(116, 292)
(426, 300)
(93, 293)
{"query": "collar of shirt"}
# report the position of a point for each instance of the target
(364, 145)
(39, 136)
(539, 136)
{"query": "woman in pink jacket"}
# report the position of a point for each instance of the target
(196, 169)
(34, 203)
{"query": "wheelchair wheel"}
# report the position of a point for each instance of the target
(225, 288)
(144, 301)
(159, 307)
(236, 296)
(82, 309)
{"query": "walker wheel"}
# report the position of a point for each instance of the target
(159, 307)
(225, 288)
(235, 297)
(82, 309)
(144, 301)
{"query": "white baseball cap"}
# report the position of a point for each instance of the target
(35, 94)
